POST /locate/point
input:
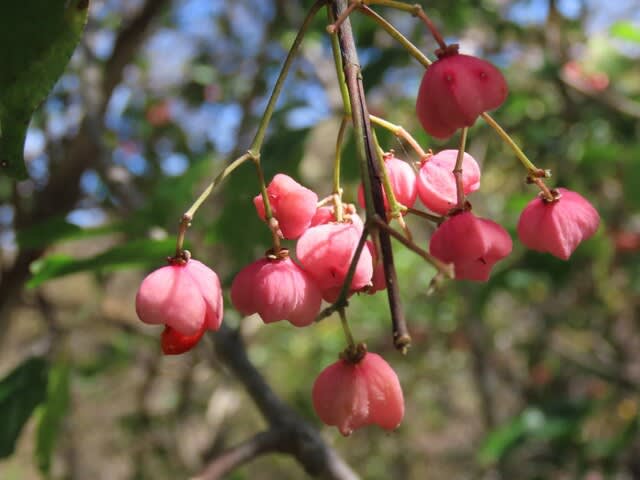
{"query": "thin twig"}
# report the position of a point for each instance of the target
(261, 443)
(341, 302)
(444, 268)
(457, 170)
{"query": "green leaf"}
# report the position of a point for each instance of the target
(37, 38)
(20, 393)
(57, 229)
(141, 252)
(533, 423)
(50, 417)
(626, 30)
(500, 440)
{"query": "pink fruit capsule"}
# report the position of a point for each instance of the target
(325, 251)
(185, 297)
(558, 227)
(292, 205)
(472, 244)
(353, 395)
(437, 184)
(276, 289)
(455, 90)
(402, 179)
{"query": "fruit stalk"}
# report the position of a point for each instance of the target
(396, 35)
(442, 267)
(337, 190)
(253, 152)
(415, 10)
(400, 132)
(185, 222)
(534, 171)
(457, 171)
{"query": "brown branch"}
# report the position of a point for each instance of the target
(295, 436)
(261, 443)
(362, 126)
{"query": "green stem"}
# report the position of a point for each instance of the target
(528, 164)
(216, 181)
(433, 218)
(399, 37)
(346, 105)
(379, 150)
(337, 60)
(258, 140)
(188, 215)
(457, 170)
(414, 9)
(395, 207)
(254, 151)
(337, 190)
(272, 223)
(400, 132)
(345, 328)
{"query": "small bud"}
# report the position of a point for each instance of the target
(437, 183)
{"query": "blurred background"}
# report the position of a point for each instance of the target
(533, 375)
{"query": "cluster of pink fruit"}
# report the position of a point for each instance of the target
(361, 388)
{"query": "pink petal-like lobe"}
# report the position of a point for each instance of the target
(455, 90)
(558, 227)
(350, 396)
(276, 290)
(472, 244)
(292, 205)
(325, 251)
(437, 184)
(185, 297)
(209, 285)
(170, 296)
(402, 179)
